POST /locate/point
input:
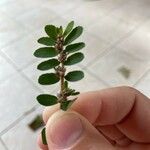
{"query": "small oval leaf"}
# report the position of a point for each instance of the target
(74, 34)
(51, 31)
(74, 76)
(43, 134)
(74, 47)
(47, 100)
(65, 105)
(60, 30)
(73, 59)
(48, 78)
(48, 41)
(49, 64)
(45, 52)
(69, 28)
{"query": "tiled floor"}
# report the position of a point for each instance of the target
(117, 35)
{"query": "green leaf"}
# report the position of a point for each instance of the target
(75, 93)
(74, 34)
(74, 76)
(61, 30)
(47, 100)
(48, 41)
(45, 52)
(73, 59)
(69, 28)
(49, 64)
(43, 134)
(51, 31)
(74, 47)
(48, 78)
(65, 105)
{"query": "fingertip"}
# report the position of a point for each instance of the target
(88, 105)
(48, 111)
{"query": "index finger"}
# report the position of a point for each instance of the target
(124, 107)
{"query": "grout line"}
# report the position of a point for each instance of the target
(113, 45)
(18, 120)
(3, 143)
(143, 76)
(18, 70)
(91, 73)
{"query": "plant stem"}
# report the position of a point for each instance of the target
(62, 81)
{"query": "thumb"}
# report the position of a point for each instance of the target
(71, 131)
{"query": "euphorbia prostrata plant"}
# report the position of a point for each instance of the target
(60, 51)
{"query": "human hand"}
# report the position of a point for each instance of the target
(111, 119)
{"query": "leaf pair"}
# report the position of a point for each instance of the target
(52, 78)
(49, 100)
(70, 34)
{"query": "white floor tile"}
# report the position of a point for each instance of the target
(33, 74)
(17, 96)
(3, 2)
(106, 6)
(85, 14)
(17, 7)
(21, 52)
(2, 147)
(21, 137)
(94, 47)
(144, 85)
(133, 12)
(88, 83)
(6, 70)
(138, 43)
(110, 29)
(10, 31)
(62, 7)
(107, 68)
(37, 18)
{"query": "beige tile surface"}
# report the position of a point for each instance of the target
(108, 30)
(62, 7)
(88, 83)
(21, 51)
(138, 43)
(6, 69)
(85, 14)
(33, 74)
(94, 47)
(17, 7)
(10, 31)
(17, 96)
(32, 17)
(21, 137)
(107, 68)
(144, 85)
(2, 147)
(133, 12)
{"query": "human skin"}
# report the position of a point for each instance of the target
(110, 119)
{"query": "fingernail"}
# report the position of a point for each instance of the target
(65, 131)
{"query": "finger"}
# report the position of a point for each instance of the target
(136, 124)
(48, 111)
(69, 130)
(111, 106)
(124, 106)
(114, 134)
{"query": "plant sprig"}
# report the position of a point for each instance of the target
(60, 52)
